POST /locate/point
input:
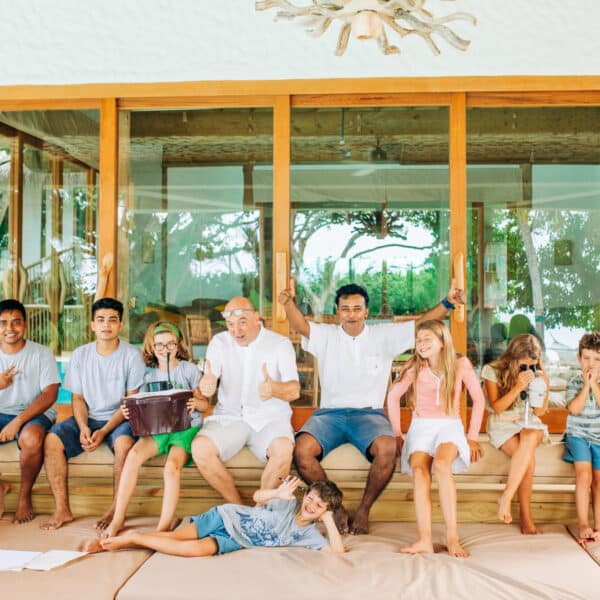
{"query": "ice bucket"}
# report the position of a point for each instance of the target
(158, 412)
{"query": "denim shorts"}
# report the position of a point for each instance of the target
(332, 427)
(210, 524)
(578, 449)
(68, 432)
(40, 420)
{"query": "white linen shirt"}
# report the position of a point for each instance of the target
(354, 371)
(240, 371)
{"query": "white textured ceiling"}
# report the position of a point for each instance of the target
(71, 41)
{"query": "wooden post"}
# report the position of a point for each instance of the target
(108, 197)
(16, 213)
(458, 212)
(281, 207)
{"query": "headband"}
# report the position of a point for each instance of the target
(168, 328)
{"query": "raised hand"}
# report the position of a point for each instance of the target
(265, 388)
(524, 379)
(7, 377)
(208, 383)
(289, 294)
(455, 294)
(287, 488)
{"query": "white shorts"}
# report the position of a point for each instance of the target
(231, 435)
(425, 435)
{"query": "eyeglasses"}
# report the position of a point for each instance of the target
(169, 346)
(236, 312)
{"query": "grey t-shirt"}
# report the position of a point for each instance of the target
(104, 380)
(37, 370)
(270, 525)
(185, 376)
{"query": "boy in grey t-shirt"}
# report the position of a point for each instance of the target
(29, 383)
(277, 520)
(99, 375)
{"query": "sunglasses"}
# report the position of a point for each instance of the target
(236, 312)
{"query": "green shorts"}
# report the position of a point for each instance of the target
(183, 439)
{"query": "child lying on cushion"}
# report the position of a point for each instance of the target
(277, 520)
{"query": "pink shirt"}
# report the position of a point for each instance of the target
(429, 404)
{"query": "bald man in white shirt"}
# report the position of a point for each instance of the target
(258, 378)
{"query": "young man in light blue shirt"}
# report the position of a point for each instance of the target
(99, 375)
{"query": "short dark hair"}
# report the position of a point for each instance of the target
(590, 341)
(107, 303)
(351, 289)
(12, 304)
(328, 492)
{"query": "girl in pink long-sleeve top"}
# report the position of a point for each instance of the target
(436, 441)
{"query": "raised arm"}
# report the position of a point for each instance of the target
(502, 403)
(298, 322)
(455, 296)
(333, 534)
(284, 390)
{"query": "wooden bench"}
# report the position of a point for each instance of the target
(90, 483)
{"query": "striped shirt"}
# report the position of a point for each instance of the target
(586, 424)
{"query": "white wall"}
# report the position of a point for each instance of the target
(70, 41)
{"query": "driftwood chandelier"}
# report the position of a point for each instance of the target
(366, 19)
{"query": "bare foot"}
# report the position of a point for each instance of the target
(24, 512)
(116, 543)
(504, 513)
(419, 547)
(360, 523)
(103, 522)
(455, 549)
(92, 546)
(4, 488)
(587, 534)
(528, 527)
(341, 519)
(112, 530)
(57, 520)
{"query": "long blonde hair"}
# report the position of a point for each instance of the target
(448, 364)
(507, 364)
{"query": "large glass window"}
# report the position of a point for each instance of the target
(370, 205)
(534, 250)
(56, 264)
(195, 216)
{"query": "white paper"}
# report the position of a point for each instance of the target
(52, 559)
(15, 560)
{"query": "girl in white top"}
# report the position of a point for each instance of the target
(505, 381)
(163, 341)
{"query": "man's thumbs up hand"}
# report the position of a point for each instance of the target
(208, 383)
(265, 388)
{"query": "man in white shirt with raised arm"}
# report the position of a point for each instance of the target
(258, 378)
(354, 366)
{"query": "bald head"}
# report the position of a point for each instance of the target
(242, 319)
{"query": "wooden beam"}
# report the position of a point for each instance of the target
(458, 211)
(15, 227)
(281, 207)
(585, 84)
(108, 198)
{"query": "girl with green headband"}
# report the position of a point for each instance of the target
(165, 354)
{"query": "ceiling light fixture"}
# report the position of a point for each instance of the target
(366, 19)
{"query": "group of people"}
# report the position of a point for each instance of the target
(253, 371)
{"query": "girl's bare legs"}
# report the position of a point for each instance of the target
(420, 463)
(142, 450)
(522, 456)
(172, 477)
(442, 470)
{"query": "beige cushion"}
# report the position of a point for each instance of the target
(98, 576)
(503, 564)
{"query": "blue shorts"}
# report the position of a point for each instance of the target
(41, 421)
(332, 427)
(578, 449)
(210, 524)
(68, 432)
